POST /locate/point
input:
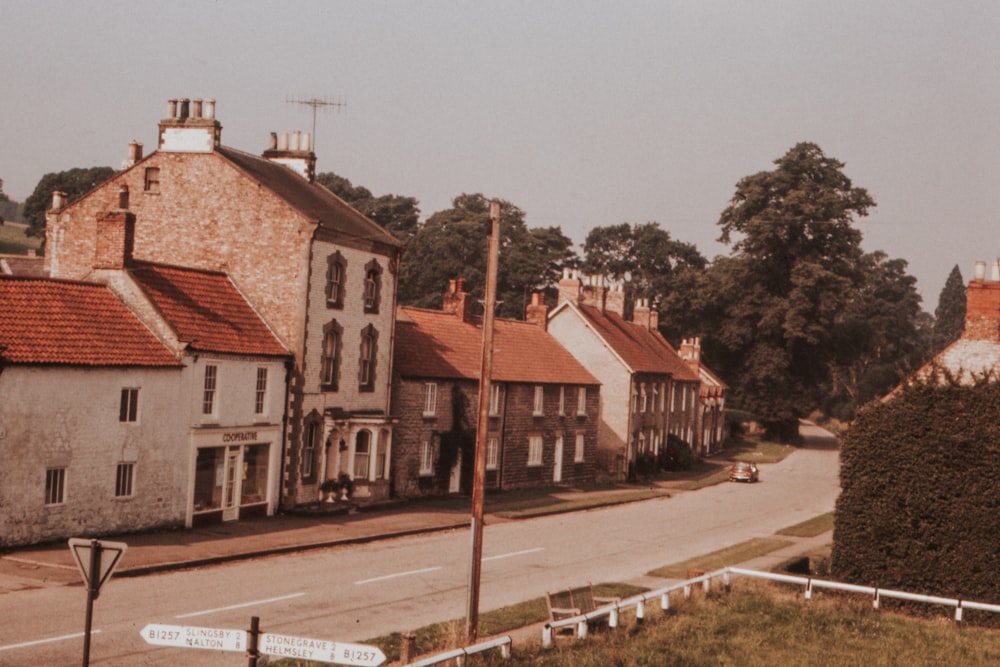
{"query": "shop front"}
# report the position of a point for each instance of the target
(235, 474)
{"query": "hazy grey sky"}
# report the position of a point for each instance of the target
(582, 113)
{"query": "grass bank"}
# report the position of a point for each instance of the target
(13, 240)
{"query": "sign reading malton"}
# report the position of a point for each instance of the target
(185, 636)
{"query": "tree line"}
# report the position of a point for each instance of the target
(795, 318)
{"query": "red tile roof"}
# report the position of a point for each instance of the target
(435, 344)
(72, 323)
(643, 350)
(206, 310)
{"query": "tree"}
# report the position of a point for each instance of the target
(452, 244)
(397, 214)
(645, 256)
(74, 182)
(949, 316)
(795, 267)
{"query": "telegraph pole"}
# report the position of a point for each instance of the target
(316, 103)
(482, 426)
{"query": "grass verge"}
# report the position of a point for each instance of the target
(737, 553)
(811, 528)
(13, 240)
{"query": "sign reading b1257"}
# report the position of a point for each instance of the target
(192, 637)
(320, 650)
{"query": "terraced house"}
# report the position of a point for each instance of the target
(319, 274)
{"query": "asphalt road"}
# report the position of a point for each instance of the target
(349, 594)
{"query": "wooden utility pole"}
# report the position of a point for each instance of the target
(482, 426)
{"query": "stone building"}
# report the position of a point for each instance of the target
(543, 412)
(319, 273)
(647, 391)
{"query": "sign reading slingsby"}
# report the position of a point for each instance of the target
(186, 636)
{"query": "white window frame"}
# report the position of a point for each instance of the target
(124, 479)
(578, 448)
(562, 400)
(494, 399)
(492, 452)
(430, 399)
(581, 401)
(538, 405)
(260, 392)
(310, 440)
(55, 486)
(643, 398)
(535, 447)
(211, 386)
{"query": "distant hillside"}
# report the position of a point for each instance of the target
(13, 240)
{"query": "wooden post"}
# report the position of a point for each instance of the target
(482, 425)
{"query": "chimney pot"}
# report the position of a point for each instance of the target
(272, 144)
(185, 106)
(196, 112)
(980, 272)
(58, 200)
(172, 108)
(307, 142)
(210, 109)
(283, 141)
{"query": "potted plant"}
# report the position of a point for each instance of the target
(330, 488)
(346, 485)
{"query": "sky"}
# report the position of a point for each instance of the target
(581, 113)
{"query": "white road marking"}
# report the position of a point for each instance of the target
(240, 606)
(38, 563)
(515, 553)
(47, 641)
(397, 575)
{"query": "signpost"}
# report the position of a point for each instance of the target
(96, 560)
(320, 650)
(254, 643)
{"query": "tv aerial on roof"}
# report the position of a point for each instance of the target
(317, 103)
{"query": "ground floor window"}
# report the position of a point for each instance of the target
(123, 479)
(55, 483)
(208, 478)
(535, 450)
(255, 469)
(362, 450)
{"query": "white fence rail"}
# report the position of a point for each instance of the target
(502, 643)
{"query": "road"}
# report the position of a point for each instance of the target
(350, 594)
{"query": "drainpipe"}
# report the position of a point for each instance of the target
(289, 366)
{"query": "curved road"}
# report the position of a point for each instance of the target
(352, 593)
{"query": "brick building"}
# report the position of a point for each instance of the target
(711, 397)
(319, 273)
(543, 413)
(647, 391)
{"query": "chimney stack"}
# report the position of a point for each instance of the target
(457, 300)
(115, 239)
(537, 312)
(569, 286)
(614, 300)
(185, 132)
(295, 152)
(593, 292)
(982, 305)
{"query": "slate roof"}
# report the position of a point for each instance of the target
(311, 199)
(206, 310)
(436, 344)
(59, 322)
(644, 351)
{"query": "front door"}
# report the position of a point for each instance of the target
(230, 492)
(557, 467)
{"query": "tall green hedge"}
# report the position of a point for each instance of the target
(919, 508)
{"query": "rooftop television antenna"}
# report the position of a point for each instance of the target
(317, 103)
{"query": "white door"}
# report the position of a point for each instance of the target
(230, 492)
(455, 480)
(557, 468)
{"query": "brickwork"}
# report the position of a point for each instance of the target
(982, 311)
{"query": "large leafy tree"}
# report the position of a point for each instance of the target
(397, 214)
(74, 182)
(653, 264)
(453, 243)
(949, 316)
(795, 268)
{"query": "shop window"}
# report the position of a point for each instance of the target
(208, 477)
(255, 468)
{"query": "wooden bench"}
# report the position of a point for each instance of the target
(572, 602)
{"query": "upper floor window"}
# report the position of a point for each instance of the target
(581, 401)
(539, 403)
(260, 393)
(494, 399)
(336, 271)
(128, 411)
(562, 400)
(329, 362)
(151, 182)
(55, 486)
(208, 395)
(643, 398)
(373, 286)
(366, 363)
(430, 399)
(656, 392)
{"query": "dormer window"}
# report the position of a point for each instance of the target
(336, 272)
(373, 286)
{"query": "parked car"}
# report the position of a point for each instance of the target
(744, 472)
